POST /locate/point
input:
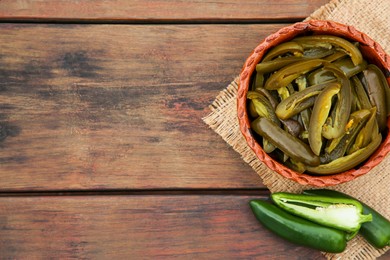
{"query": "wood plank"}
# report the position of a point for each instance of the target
(138, 227)
(157, 10)
(118, 106)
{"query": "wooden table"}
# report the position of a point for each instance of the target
(103, 153)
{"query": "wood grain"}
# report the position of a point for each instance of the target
(140, 227)
(118, 106)
(173, 10)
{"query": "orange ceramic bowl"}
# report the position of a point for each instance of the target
(371, 51)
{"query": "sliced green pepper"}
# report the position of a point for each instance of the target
(349, 161)
(283, 48)
(295, 103)
(289, 144)
(320, 76)
(276, 64)
(342, 214)
(287, 74)
(339, 146)
(262, 106)
(298, 230)
(347, 66)
(377, 93)
(366, 134)
(348, 47)
(363, 100)
(335, 56)
(376, 232)
(319, 116)
(334, 126)
(317, 53)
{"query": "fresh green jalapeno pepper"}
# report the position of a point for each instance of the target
(339, 146)
(376, 232)
(346, 46)
(319, 116)
(343, 214)
(334, 126)
(298, 230)
(283, 48)
(349, 161)
(287, 74)
(289, 144)
(376, 93)
(295, 102)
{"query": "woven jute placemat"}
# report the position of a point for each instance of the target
(368, 16)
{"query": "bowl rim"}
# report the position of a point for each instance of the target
(374, 53)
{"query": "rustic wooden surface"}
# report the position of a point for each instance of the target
(103, 153)
(158, 10)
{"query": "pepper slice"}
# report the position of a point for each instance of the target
(363, 100)
(377, 93)
(349, 161)
(296, 102)
(283, 48)
(342, 214)
(346, 46)
(287, 74)
(339, 146)
(334, 127)
(298, 230)
(365, 135)
(319, 115)
(376, 232)
(289, 144)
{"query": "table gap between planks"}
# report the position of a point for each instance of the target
(103, 153)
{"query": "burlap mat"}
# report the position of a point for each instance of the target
(371, 17)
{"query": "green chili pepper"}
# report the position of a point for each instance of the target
(298, 230)
(289, 144)
(295, 103)
(292, 126)
(258, 81)
(339, 146)
(346, 46)
(376, 92)
(317, 53)
(334, 127)
(276, 64)
(347, 66)
(262, 106)
(335, 56)
(363, 100)
(287, 74)
(319, 115)
(349, 161)
(269, 96)
(283, 48)
(342, 214)
(320, 76)
(365, 135)
(376, 232)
